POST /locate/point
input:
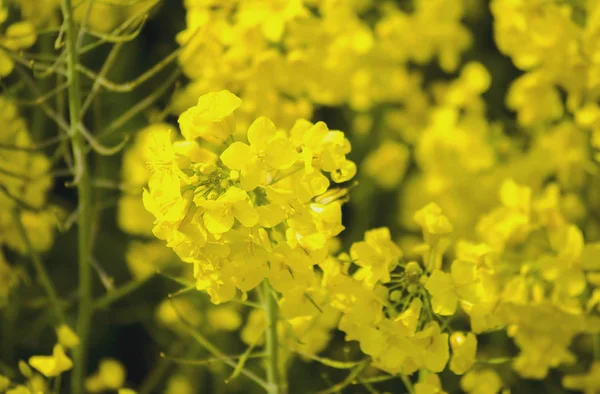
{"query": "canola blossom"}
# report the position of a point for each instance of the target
(230, 211)
(299, 196)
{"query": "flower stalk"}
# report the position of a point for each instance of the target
(274, 381)
(82, 181)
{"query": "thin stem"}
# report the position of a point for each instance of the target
(119, 293)
(350, 379)
(140, 106)
(54, 115)
(407, 383)
(377, 379)
(84, 314)
(272, 311)
(34, 147)
(158, 372)
(57, 384)
(45, 280)
(44, 97)
(109, 62)
(329, 362)
(212, 349)
(126, 87)
(367, 385)
(210, 360)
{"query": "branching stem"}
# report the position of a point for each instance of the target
(84, 196)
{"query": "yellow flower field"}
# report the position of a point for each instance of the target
(299, 196)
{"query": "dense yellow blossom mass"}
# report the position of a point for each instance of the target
(239, 212)
(447, 239)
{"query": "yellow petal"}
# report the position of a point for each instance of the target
(94, 384)
(437, 353)
(441, 288)
(481, 381)
(245, 213)
(345, 172)
(280, 153)
(213, 107)
(464, 350)
(224, 318)
(260, 132)
(66, 336)
(270, 215)
(273, 27)
(6, 64)
(20, 35)
(410, 317)
(54, 365)
(4, 383)
(237, 156)
(234, 194)
(20, 389)
(476, 76)
(431, 384)
(252, 175)
(218, 221)
(590, 257)
(112, 373)
(126, 391)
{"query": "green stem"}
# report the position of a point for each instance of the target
(157, 374)
(39, 119)
(84, 195)
(117, 294)
(57, 384)
(407, 383)
(272, 340)
(212, 349)
(352, 376)
(41, 272)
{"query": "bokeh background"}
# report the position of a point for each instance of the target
(128, 330)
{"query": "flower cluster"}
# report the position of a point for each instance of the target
(467, 222)
(15, 37)
(544, 297)
(100, 17)
(106, 16)
(44, 367)
(284, 57)
(555, 44)
(40, 14)
(25, 180)
(399, 311)
(146, 255)
(245, 207)
(247, 210)
(244, 200)
(24, 183)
